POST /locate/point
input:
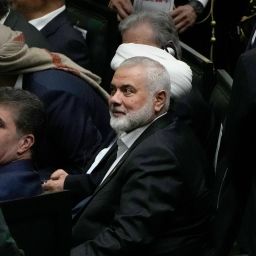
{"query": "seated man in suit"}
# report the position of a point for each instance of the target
(237, 194)
(151, 198)
(8, 246)
(154, 35)
(16, 21)
(21, 119)
(50, 17)
(76, 105)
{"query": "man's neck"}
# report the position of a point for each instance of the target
(52, 6)
(40, 23)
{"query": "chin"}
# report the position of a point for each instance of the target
(119, 124)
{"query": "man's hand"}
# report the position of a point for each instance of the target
(56, 181)
(184, 16)
(123, 7)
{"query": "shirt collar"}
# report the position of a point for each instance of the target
(3, 19)
(41, 22)
(19, 81)
(127, 139)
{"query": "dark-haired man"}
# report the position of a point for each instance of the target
(21, 120)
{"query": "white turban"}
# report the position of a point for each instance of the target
(180, 73)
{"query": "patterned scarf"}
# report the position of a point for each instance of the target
(17, 58)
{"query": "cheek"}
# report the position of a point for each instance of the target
(8, 149)
(134, 104)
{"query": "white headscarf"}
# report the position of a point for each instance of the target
(180, 73)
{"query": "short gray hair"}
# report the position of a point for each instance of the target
(162, 25)
(157, 76)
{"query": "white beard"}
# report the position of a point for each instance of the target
(132, 120)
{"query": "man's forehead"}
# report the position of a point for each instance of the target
(7, 110)
(141, 33)
(135, 72)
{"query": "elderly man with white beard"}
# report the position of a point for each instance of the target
(148, 192)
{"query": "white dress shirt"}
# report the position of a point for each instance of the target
(3, 19)
(253, 38)
(41, 22)
(19, 81)
(124, 142)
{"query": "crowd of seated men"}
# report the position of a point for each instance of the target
(134, 160)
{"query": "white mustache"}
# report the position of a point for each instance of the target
(117, 109)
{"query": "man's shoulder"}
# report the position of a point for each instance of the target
(171, 135)
(176, 132)
(33, 37)
(52, 76)
(60, 24)
(61, 84)
(16, 169)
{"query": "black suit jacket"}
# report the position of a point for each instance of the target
(63, 38)
(33, 37)
(155, 202)
(236, 170)
(8, 246)
(78, 119)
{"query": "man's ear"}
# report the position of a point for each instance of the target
(160, 99)
(25, 143)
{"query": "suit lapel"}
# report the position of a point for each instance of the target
(54, 24)
(11, 20)
(158, 124)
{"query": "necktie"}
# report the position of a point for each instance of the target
(97, 175)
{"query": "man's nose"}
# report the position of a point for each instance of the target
(116, 98)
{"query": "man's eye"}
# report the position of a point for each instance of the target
(128, 90)
(112, 91)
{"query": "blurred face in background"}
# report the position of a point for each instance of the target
(139, 34)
